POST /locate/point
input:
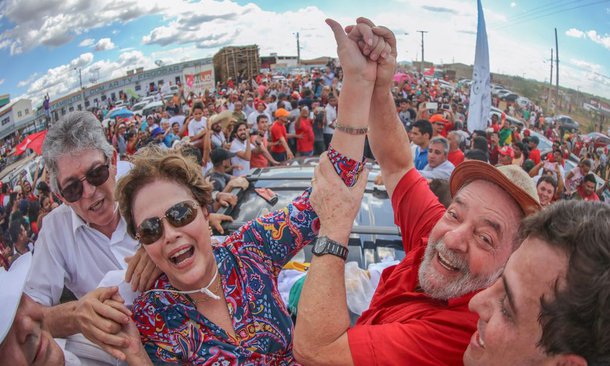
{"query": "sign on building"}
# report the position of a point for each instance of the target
(198, 78)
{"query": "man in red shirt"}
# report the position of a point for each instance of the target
(586, 190)
(419, 314)
(260, 155)
(534, 152)
(455, 156)
(304, 128)
(279, 145)
(438, 125)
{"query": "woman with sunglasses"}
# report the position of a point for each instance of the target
(219, 304)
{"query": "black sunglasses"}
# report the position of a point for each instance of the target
(96, 177)
(179, 215)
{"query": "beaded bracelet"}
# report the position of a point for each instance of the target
(352, 130)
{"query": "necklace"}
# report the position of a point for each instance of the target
(204, 290)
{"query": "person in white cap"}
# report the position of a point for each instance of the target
(23, 339)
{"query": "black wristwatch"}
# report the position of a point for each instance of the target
(324, 245)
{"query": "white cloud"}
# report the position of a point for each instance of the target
(587, 65)
(86, 42)
(599, 39)
(576, 33)
(1, 81)
(191, 30)
(56, 22)
(513, 4)
(603, 40)
(104, 44)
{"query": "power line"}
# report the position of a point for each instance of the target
(541, 9)
(551, 13)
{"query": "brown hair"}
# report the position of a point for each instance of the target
(153, 164)
(577, 319)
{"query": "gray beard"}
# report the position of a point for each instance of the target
(429, 278)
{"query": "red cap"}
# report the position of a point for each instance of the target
(526, 132)
(438, 118)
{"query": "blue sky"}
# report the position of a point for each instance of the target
(42, 42)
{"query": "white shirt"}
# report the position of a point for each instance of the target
(237, 146)
(253, 116)
(331, 116)
(69, 252)
(442, 171)
(195, 127)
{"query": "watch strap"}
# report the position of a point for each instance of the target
(333, 248)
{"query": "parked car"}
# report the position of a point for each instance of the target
(151, 107)
(22, 169)
(511, 120)
(509, 97)
(566, 122)
(374, 235)
(138, 107)
(523, 102)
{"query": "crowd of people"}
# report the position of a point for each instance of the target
(491, 274)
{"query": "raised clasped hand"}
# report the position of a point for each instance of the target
(381, 50)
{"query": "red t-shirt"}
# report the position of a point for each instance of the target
(305, 143)
(403, 325)
(455, 157)
(258, 160)
(581, 195)
(278, 130)
(535, 156)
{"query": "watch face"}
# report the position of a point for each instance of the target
(319, 246)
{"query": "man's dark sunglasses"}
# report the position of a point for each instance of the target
(96, 177)
(179, 215)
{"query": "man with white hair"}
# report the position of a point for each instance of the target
(438, 166)
(456, 155)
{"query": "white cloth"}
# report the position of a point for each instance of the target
(237, 146)
(480, 90)
(69, 252)
(331, 116)
(195, 127)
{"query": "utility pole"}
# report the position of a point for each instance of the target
(298, 50)
(421, 69)
(80, 81)
(556, 66)
(548, 101)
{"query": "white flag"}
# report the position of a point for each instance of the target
(480, 90)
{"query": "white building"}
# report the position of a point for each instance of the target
(195, 75)
(16, 116)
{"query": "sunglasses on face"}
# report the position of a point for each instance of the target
(96, 177)
(179, 215)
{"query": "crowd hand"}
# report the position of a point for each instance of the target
(335, 204)
(141, 271)
(216, 221)
(132, 348)
(225, 199)
(100, 322)
(354, 63)
(386, 65)
(289, 154)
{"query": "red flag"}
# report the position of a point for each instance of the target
(430, 71)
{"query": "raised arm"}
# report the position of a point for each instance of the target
(323, 320)
(387, 136)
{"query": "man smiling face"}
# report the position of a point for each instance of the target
(508, 329)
